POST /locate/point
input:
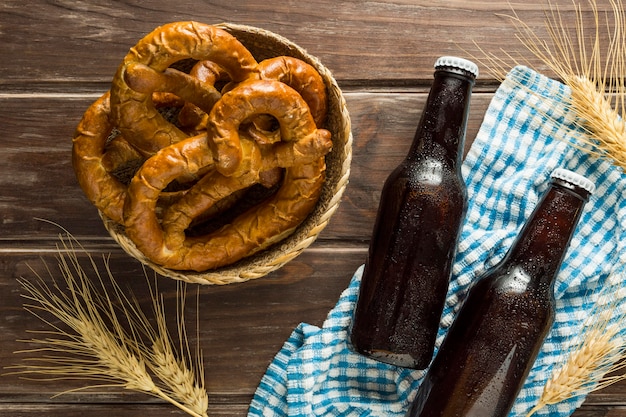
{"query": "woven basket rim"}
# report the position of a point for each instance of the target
(337, 177)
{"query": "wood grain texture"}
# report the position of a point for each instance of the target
(59, 55)
(60, 41)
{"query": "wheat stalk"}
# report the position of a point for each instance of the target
(180, 379)
(101, 335)
(184, 380)
(600, 350)
(593, 74)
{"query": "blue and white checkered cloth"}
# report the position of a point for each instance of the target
(523, 138)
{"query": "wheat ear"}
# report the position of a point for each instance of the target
(98, 336)
(599, 351)
(184, 379)
(594, 75)
(584, 369)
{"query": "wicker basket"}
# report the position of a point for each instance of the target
(264, 44)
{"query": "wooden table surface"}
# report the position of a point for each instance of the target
(58, 56)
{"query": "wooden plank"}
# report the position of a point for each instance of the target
(238, 410)
(85, 41)
(104, 410)
(586, 411)
(38, 181)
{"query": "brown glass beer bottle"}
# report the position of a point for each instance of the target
(496, 336)
(422, 207)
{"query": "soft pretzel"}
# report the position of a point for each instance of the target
(144, 79)
(99, 155)
(255, 230)
(264, 127)
(303, 78)
(133, 111)
(165, 242)
(252, 98)
(88, 159)
(118, 153)
(209, 73)
(300, 76)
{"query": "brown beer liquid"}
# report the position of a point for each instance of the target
(496, 336)
(422, 207)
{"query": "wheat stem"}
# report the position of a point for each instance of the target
(595, 76)
(599, 351)
(91, 342)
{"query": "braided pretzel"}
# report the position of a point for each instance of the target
(165, 242)
(133, 111)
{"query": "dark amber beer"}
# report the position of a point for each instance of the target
(496, 336)
(422, 207)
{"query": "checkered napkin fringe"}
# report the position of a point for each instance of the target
(523, 138)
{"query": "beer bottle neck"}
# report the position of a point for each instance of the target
(542, 243)
(444, 120)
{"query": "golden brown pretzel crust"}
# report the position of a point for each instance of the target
(303, 78)
(118, 152)
(96, 157)
(262, 128)
(208, 73)
(134, 113)
(143, 79)
(165, 242)
(88, 160)
(252, 98)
